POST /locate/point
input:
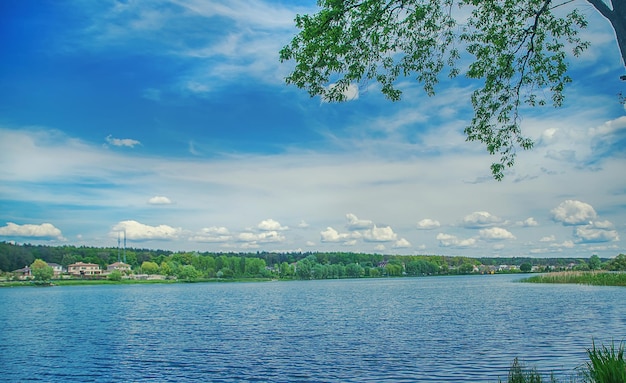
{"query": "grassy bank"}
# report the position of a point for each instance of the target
(596, 278)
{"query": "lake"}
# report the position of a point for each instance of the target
(435, 329)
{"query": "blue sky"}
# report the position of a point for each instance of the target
(170, 120)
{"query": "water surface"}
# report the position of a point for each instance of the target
(439, 329)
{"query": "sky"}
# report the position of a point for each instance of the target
(170, 121)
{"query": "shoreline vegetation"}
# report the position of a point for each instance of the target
(593, 278)
(605, 364)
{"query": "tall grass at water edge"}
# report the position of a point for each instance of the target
(605, 365)
(596, 278)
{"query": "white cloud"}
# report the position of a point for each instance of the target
(303, 224)
(212, 234)
(264, 237)
(122, 141)
(332, 235)
(608, 129)
(550, 238)
(428, 224)
(246, 12)
(596, 232)
(355, 223)
(379, 234)
(564, 155)
(402, 243)
(480, 219)
(565, 244)
(572, 212)
(271, 225)
(140, 232)
(603, 225)
(42, 231)
(159, 200)
(447, 240)
(539, 251)
(528, 222)
(495, 233)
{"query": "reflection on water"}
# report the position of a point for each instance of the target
(443, 329)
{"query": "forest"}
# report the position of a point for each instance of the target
(290, 265)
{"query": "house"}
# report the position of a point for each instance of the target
(56, 268)
(23, 273)
(121, 266)
(81, 269)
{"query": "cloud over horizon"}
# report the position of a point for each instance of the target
(137, 231)
(45, 231)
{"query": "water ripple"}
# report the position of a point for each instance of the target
(456, 329)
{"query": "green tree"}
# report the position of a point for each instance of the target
(204, 264)
(68, 259)
(353, 270)
(115, 275)
(167, 269)
(41, 271)
(526, 267)
(149, 267)
(286, 270)
(516, 49)
(225, 273)
(581, 266)
(254, 266)
(594, 262)
(188, 273)
(393, 270)
(618, 263)
(320, 271)
(466, 268)
(304, 269)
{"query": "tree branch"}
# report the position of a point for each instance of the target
(602, 8)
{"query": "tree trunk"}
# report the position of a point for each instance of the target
(617, 18)
(619, 24)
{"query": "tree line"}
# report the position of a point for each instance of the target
(284, 265)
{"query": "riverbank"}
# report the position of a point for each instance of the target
(91, 282)
(595, 278)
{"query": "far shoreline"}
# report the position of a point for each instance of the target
(592, 278)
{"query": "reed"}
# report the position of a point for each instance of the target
(596, 278)
(606, 364)
(518, 373)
